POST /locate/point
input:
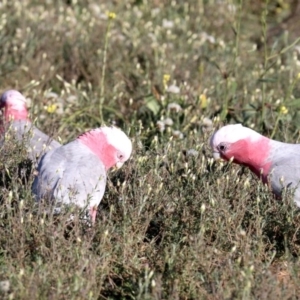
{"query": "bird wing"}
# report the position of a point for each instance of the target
(71, 174)
(285, 169)
(36, 141)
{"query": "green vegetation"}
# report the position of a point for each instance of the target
(173, 224)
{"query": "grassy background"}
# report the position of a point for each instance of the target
(172, 224)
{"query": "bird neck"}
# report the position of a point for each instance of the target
(253, 154)
(96, 141)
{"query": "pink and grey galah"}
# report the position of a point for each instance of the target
(16, 120)
(76, 172)
(274, 162)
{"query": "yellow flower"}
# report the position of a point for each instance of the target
(111, 15)
(166, 79)
(51, 108)
(283, 110)
(203, 100)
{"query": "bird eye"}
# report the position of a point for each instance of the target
(222, 147)
(120, 156)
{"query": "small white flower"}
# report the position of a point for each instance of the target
(173, 89)
(231, 8)
(203, 208)
(192, 152)
(174, 107)
(177, 134)
(51, 95)
(42, 117)
(207, 124)
(222, 43)
(167, 24)
(168, 122)
(206, 37)
(155, 11)
(138, 13)
(153, 283)
(161, 126)
(95, 9)
(242, 232)
(4, 286)
(59, 108)
(72, 98)
(297, 48)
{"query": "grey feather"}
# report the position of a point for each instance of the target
(37, 142)
(285, 168)
(70, 174)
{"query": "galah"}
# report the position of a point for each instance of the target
(76, 172)
(15, 120)
(275, 163)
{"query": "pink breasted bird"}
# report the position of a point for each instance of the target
(76, 172)
(16, 119)
(272, 161)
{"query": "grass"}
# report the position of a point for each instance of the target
(172, 224)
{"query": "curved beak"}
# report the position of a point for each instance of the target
(216, 155)
(119, 164)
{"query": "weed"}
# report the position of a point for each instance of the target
(173, 224)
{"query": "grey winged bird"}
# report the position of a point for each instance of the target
(274, 162)
(16, 121)
(76, 172)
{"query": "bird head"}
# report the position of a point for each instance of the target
(14, 104)
(118, 144)
(232, 141)
(110, 144)
(14, 99)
